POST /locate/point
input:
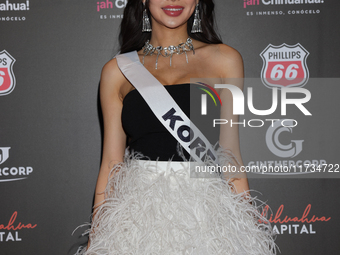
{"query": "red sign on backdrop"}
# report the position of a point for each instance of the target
(7, 78)
(284, 66)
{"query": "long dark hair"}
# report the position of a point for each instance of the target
(132, 38)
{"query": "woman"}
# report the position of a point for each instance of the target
(145, 207)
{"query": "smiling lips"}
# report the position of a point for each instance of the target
(173, 10)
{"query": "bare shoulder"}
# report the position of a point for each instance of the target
(111, 73)
(112, 80)
(226, 60)
(228, 54)
(231, 64)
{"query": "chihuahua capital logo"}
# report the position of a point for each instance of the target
(284, 66)
(7, 78)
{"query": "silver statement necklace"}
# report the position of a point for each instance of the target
(181, 48)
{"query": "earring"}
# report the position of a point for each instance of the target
(146, 22)
(196, 26)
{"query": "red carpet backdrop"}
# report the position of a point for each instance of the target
(51, 55)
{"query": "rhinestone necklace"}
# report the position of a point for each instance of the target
(181, 48)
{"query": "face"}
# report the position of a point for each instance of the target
(171, 13)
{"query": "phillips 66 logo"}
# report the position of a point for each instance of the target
(7, 78)
(284, 66)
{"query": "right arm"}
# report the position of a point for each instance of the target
(114, 142)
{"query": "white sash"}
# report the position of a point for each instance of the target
(165, 108)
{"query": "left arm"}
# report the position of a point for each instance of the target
(231, 71)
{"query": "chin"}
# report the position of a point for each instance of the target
(172, 22)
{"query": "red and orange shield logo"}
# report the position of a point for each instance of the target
(7, 78)
(284, 66)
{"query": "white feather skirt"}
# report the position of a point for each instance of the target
(156, 208)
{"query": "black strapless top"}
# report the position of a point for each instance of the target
(147, 135)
